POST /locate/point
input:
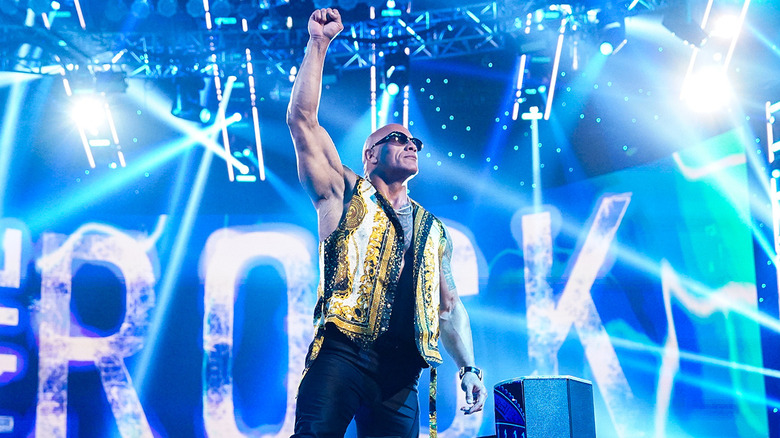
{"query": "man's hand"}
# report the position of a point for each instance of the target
(325, 23)
(476, 394)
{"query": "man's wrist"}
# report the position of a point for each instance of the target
(319, 43)
(470, 369)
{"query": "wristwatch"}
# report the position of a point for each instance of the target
(475, 370)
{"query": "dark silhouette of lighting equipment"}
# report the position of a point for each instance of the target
(167, 8)
(221, 8)
(678, 21)
(612, 32)
(396, 71)
(195, 8)
(187, 104)
(687, 31)
(141, 9)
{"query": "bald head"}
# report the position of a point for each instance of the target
(375, 136)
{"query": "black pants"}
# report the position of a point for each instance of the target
(378, 390)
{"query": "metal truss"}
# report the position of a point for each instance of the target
(430, 34)
(451, 32)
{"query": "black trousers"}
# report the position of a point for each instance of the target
(378, 390)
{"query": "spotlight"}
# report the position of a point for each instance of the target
(204, 116)
(88, 112)
(725, 27)
(708, 90)
(141, 9)
(396, 71)
(195, 8)
(187, 104)
(167, 8)
(612, 32)
(393, 89)
(389, 9)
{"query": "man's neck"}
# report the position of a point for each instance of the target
(395, 192)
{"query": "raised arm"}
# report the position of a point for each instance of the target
(456, 335)
(319, 166)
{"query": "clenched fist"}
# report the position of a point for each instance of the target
(325, 23)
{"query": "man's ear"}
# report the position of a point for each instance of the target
(370, 156)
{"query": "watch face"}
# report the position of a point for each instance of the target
(474, 370)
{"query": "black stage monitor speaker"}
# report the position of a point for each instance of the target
(544, 407)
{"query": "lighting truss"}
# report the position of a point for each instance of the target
(430, 34)
(448, 32)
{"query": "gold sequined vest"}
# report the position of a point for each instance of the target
(360, 265)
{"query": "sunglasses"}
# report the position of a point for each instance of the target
(400, 138)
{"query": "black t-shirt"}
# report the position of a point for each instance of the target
(399, 340)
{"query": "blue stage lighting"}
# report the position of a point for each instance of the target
(204, 116)
(40, 6)
(167, 8)
(248, 11)
(347, 5)
(221, 8)
(9, 7)
(110, 81)
(612, 32)
(89, 111)
(141, 9)
(187, 102)
(725, 27)
(396, 71)
(678, 20)
(115, 10)
(393, 89)
(708, 90)
(195, 8)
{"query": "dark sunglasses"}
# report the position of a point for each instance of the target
(401, 138)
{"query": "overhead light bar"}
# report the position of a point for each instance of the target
(554, 74)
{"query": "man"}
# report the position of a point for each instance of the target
(386, 290)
